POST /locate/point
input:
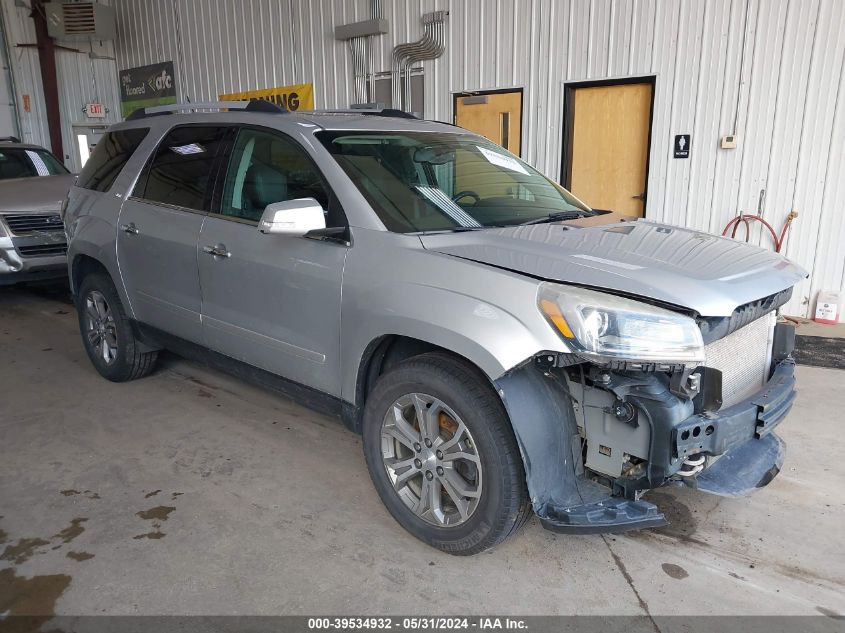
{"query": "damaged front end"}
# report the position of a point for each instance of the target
(596, 432)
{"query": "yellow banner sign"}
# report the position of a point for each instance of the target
(295, 97)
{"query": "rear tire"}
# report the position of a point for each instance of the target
(474, 486)
(107, 333)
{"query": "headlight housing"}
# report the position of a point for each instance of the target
(614, 328)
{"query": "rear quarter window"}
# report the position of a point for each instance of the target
(109, 158)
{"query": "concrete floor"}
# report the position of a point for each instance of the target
(189, 492)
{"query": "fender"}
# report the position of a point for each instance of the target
(445, 301)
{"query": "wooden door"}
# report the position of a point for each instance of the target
(496, 116)
(609, 146)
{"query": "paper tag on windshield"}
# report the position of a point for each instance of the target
(502, 161)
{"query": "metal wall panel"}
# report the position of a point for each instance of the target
(768, 70)
(81, 80)
(26, 72)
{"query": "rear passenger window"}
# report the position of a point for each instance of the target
(109, 157)
(180, 171)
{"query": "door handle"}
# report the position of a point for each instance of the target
(639, 197)
(130, 228)
(216, 251)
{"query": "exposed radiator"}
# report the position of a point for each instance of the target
(743, 357)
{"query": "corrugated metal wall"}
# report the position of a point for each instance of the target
(81, 80)
(769, 70)
(8, 112)
(26, 73)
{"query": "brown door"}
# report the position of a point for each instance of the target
(494, 115)
(609, 141)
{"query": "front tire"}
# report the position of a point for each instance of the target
(107, 333)
(442, 455)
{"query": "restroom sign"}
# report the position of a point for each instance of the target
(95, 110)
(682, 143)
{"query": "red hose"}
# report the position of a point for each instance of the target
(779, 241)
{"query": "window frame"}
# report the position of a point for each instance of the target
(144, 129)
(214, 172)
(223, 169)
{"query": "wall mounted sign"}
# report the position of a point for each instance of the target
(27, 103)
(147, 86)
(294, 97)
(95, 110)
(682, 143)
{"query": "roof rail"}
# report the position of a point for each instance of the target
(9, 139)
(254, 105)
(385, 112)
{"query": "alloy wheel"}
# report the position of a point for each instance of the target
(101, 331)
(431, 460)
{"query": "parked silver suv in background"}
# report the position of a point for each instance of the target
(33, 186)
(500, 346)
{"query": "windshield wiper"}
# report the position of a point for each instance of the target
(558, 216)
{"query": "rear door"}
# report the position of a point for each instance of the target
(274, 300)
(159, 226)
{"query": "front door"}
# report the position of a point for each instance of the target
(494, 115)
(272, 301)
(158, 229)
(606, 145)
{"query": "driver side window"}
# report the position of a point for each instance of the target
(265, 168)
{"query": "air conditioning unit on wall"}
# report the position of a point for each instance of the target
(80, 21)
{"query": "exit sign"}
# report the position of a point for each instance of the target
(95, 110)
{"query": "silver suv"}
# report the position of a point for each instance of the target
(500, 346)
(33, 186)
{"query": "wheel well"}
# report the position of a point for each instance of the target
(383, 354)
(84, 265)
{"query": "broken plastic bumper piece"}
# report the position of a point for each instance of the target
(750, 456)
(609, 516)
(744, 468)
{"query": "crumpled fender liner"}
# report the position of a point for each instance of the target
(543, 421)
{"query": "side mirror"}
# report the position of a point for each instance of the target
(292, 217)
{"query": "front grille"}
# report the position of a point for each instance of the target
(743, 357)
(713, 328)
(42, 250)
(26, 223)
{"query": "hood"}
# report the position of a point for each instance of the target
(698, 271)
(36, 194)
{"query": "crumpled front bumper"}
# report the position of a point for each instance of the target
(753, 418)
(750, 456)
(565, 500)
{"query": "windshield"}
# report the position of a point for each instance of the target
(426, 181)
(27, 163)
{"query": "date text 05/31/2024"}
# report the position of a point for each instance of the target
(417, 623)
